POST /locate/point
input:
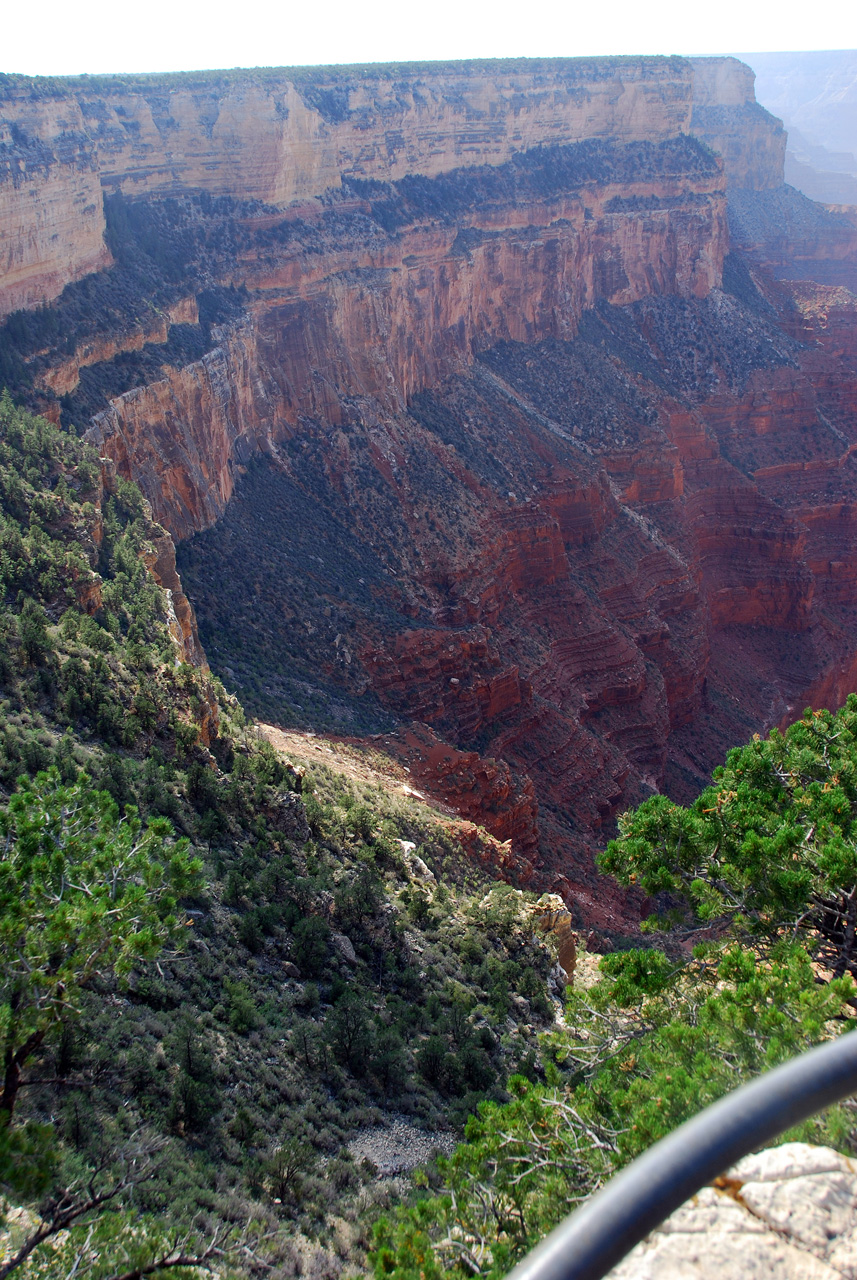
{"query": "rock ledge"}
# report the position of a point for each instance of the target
(788, 1213)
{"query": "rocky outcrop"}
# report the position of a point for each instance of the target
(385, 315)
(183, 437)
(51, 214)
(728, 117)
(161, 563)
(283, 136)
(288, 136)
(554, 917)
(789, 1212)
(482, 791)
(159, 558)
(63, 376)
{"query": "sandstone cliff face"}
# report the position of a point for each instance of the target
(279, 141)
(278, 137)
(384, 316)
(181, 438)
(726, 115)
(63, 376)
(51, 211)
(584, 558)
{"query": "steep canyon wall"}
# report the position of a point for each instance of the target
(347, 310)
(490, 445)
(282, 136)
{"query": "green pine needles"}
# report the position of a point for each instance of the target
(768, 852)
(751, 961)
(84, 895)
(84, 892)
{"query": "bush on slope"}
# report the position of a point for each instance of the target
(318, 988)
(751, 962)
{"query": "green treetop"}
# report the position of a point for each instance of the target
(770, 849)
(84, 893)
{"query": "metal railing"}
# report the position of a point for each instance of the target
(604, 1229)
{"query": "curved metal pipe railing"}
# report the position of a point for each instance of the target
(604, 1229)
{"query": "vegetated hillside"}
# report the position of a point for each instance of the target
(750, 958)
(350, 984)
(344, 962)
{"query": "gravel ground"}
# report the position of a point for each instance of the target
(399, 1146)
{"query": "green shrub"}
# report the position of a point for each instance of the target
(310, 945)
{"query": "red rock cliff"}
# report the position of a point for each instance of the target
(385, 318)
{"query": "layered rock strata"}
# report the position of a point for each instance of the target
(505, 459)
(281, 136)
(726, 114)
(51, 206)
(580, 560)
(346, 308)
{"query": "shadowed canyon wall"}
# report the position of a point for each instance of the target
(483, 427)
(347, 308)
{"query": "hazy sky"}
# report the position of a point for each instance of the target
(55, 37)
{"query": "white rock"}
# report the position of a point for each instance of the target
(812, 1210)
(789, 1213)
(345, 947)
(724, 1256)
(417, 869)
(792, 1159)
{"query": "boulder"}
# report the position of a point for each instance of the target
(344, 948)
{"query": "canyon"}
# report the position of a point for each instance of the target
(505, 414)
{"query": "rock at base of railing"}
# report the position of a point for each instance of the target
(788, 1213)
